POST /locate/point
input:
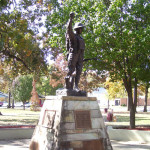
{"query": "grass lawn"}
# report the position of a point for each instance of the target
(27, 117)
(123, 118)
(18, 117)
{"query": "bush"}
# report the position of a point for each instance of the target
(123, 105)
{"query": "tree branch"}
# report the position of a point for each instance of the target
(7, 53)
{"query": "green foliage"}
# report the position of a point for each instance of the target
(115, 89)
(125, 29)
(123, 105)
(116, 33)
(5, 81)
(22, 87)
(85, 13)
(44, 88)
(19, 42)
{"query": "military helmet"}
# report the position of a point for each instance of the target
(78, 25)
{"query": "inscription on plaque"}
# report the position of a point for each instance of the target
(48, 118)
(82, 119)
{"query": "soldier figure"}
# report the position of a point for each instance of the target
(75, 46)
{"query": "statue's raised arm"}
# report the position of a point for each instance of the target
(70, 33)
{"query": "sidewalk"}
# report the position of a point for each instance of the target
(20, 144)
(23, 144)
(130, 145)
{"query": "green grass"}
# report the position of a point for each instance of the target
(18, 117)
(124, 119)
(27, 117)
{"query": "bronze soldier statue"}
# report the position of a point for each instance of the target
(75, 46)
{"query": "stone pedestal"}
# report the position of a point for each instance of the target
(70, 123)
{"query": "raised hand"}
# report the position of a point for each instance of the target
(72, 15)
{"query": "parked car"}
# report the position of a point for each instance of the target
(1, 104)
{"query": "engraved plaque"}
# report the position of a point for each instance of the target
(48, 118)
(82, 119)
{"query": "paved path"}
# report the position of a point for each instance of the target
(130, 145)
(23, 144)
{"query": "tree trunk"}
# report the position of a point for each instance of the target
(132, 117)
(13, 105)
(146, 96)
(128, 106)
(132, 109)
(135, 94)
(9, 106)
(130, 98)
(128, 86)
(24, 106)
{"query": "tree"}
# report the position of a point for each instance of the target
(5, 83)
(146, 97)
(35, 98)
(125, 45)
(21, 88)
(144, 87)
(20, 43)
(115, 89)
(90, 80)
(45, 88)
(145, 79)
(22, 48)
(58, 72)
(120, 33)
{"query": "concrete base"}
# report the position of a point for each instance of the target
(114, 134)
(129, 135)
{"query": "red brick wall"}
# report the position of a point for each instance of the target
(123, 101)
(141, 102)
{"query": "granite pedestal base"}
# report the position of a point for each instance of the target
(70, 123)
